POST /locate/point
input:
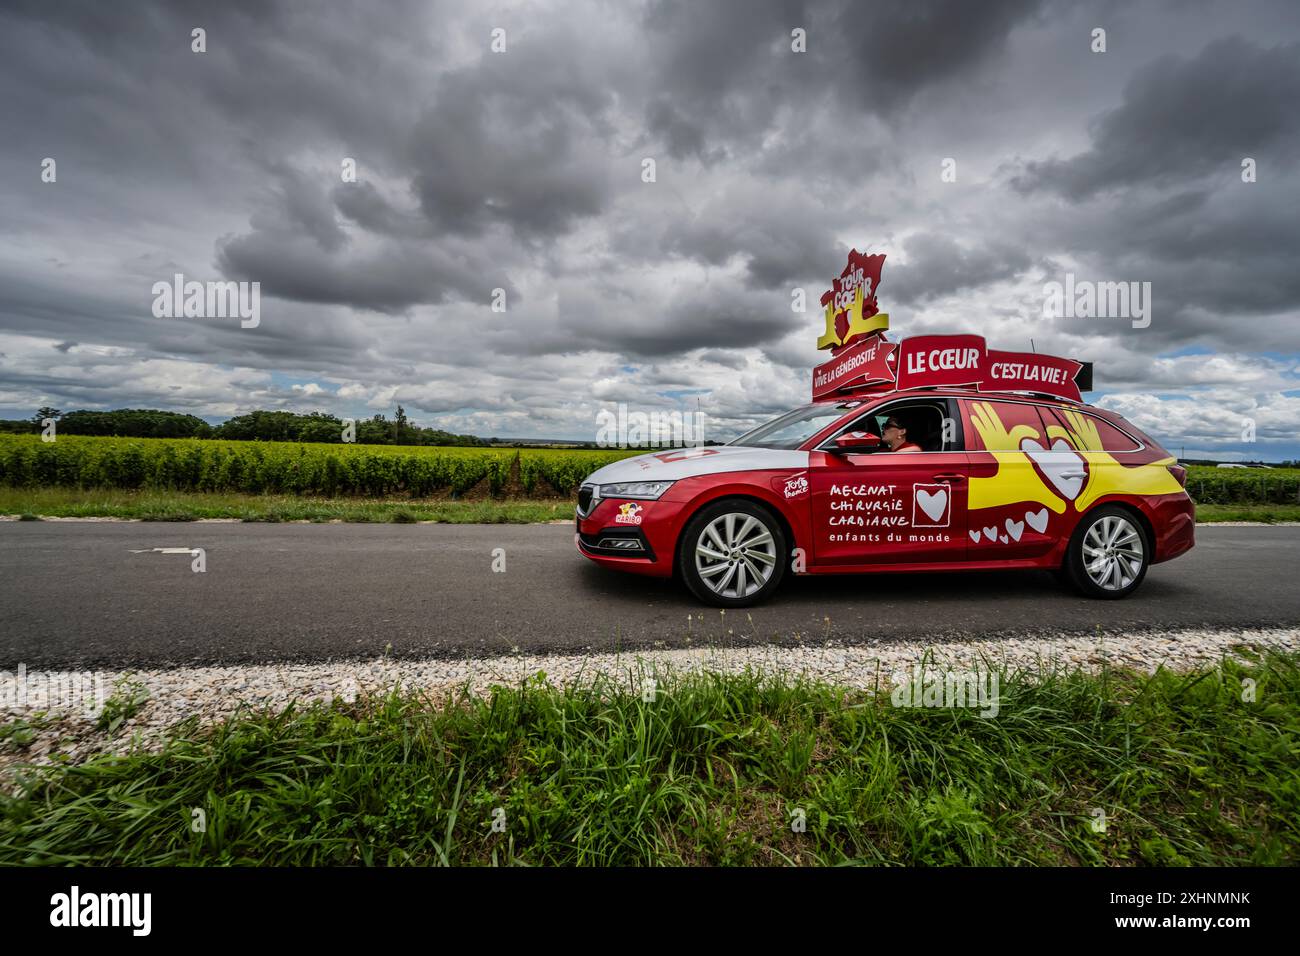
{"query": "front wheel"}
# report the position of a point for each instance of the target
(732, 553)
(1109, 554)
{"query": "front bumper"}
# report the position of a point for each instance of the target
(642, 543)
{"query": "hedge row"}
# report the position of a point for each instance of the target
(188, 464)
(1230, 486)
(284, 467)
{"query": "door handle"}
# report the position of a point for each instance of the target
(949, 478)
(1074, 474)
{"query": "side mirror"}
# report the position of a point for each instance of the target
(855, 441)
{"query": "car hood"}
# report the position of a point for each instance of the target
(673, 464)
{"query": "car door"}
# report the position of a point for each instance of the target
(882, 507)
(1018, 508)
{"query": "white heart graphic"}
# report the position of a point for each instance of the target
(933, 504)
(991, 533)
(1037, 520)
(1003, 539)
(1015, 529)
(1062, 465)
(975, 536)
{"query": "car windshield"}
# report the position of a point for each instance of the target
(794, 428)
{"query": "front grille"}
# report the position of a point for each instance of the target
(604, 543)
(584, 499)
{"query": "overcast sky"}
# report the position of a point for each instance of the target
(522, 171)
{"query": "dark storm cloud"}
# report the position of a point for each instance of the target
(522, 171)
(682, 137)
(518, 139)
(937, 265)
(718, 315)
(720, 357)
(728, 68)
(362, 203)
(894, 50)
(391, 278)
(1184, 118)
(303, 207)
(779, 243)
(129, 88)
(1221, 263)
(297, 249)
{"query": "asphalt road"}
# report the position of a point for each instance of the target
(95, 594)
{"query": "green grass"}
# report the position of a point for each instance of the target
(190, 506)
(1268, 514)
(710, 772)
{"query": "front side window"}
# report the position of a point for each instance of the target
(925, 424)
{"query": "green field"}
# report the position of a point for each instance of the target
(180, 479)
(1232, 486)
(184, 464)
(1116, 769)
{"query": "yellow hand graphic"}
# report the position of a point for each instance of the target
(1015, 480)
(1106, 476)
(993, 433)
(1082, 433)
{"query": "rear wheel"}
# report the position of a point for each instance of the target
(732, 553)
(1109, 554)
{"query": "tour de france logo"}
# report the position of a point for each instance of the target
(931, 506)
(796, 485)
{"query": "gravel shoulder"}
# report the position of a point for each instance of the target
(211, 693)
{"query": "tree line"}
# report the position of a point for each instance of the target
(254, 426)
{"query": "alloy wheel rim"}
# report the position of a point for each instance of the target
(1113, 553)
(735, 555)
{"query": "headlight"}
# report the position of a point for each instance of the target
(634, 489)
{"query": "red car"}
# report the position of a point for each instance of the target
(980, 480)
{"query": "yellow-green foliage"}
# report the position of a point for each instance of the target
(189, 464)
(1225, 486)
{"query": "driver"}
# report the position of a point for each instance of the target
(895, 436)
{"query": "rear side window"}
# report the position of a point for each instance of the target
(1002, 426)
(1087, 432)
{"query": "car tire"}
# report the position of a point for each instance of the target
(725, 550)
(1109, 553)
